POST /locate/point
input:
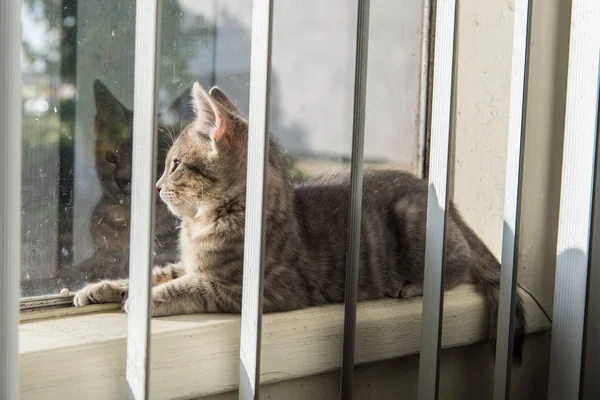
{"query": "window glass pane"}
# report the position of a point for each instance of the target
(78, 65)
(78, 60)
(313, 83)
(48, 68)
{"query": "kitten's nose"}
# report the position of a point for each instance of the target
(158, 189)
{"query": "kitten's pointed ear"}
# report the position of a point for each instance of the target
(209, 118)
(108, 109)
(222, 99)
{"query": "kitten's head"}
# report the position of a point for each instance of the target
(114, 127)
(206, 166)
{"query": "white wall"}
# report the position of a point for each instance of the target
(482, 103)
(484, 65)
(544, 148)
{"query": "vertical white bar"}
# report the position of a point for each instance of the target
(576, 197)
(147, 31)
(256, 197)
(424, 87)
(591, 368)
(437, 203)
(355, 207)
(10, 195)
(512, 200)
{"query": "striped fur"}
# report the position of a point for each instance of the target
(204, 185)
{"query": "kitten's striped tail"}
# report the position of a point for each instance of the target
(486, 273)
(490, 287)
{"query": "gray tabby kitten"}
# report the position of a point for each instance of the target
(204, 184)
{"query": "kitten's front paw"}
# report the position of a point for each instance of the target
(411, 290)
(156, 309)
(101, 292)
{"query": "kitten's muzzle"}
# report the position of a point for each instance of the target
(157, 189)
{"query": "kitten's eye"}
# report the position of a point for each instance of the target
(176, 163)
(111, 156)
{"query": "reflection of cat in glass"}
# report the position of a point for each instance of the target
(109, 225)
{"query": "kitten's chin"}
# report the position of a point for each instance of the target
(181, 211)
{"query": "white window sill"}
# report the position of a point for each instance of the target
(84, 356)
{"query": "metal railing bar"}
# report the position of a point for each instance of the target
(512, 199)
(256, 197)
(591, 352)
(147, 53)
(576, 198)
(438, 197)
(10, 195)
(424, 89)
(355, 206)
